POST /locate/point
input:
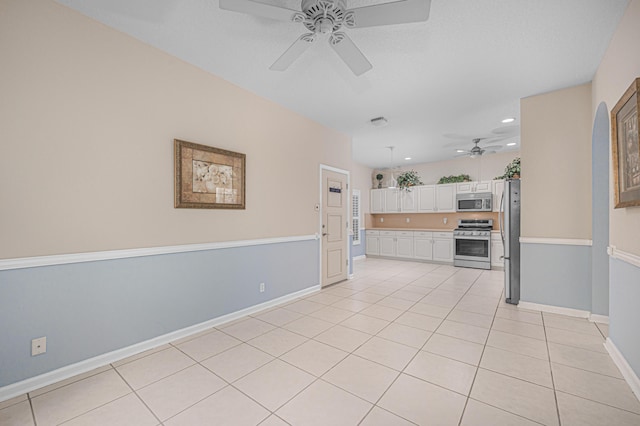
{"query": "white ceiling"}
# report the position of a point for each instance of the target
(460, 73)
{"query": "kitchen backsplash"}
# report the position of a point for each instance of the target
(425, 220)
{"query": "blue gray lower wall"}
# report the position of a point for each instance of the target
(556, 275)
(624, 311)
(357, 250)
(89, 309)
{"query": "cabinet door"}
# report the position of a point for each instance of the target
(443, 249)
(387, 246)
(392, 201)
(423, 248)
(484, 186)
(445, 198)
(426, 198)
(464, 187)
(404, 244)
(497, 251)
(377, 201)
(373, 245)
(409, 201)
(497, 190)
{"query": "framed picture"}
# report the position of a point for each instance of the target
(207, 177)
(626, 148)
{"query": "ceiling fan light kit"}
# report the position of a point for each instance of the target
(329, 17)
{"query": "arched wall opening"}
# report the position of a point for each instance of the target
(600, 212)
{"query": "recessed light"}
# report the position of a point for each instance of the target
(512, 144)
(460, 150)
(407, 158)
(508, 120)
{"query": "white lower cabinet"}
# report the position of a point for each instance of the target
(372, 239)
(420, 245)
(404, 244)
(443, 246)
(388, 243)
(423, 245)
(497, 250)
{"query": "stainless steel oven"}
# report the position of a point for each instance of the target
(472, 243)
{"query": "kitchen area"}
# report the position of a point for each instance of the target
(465, 224)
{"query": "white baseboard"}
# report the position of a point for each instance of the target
(627, 372)
(554, 309)
(361, 257)
(33, 383)
(602, 319)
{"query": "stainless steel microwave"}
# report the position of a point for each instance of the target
(474, 202)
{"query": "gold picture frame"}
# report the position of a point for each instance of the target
(626, 148)
(207, 177)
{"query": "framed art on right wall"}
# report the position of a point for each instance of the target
(626, 148)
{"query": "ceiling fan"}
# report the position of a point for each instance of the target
(477, 151)
(327, 17)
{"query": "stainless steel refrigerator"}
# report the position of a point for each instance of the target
(510, 233)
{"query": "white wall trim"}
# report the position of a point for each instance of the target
(627, 372)
(554, 309)
(624, 256)
(361, 257)
(602, 319)
(62, 259)
(33, 383)
(556, 241)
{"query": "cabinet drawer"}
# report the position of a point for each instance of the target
(372, 233)
(404, 233)
(423, 234)
(443, 235)
(387, 233)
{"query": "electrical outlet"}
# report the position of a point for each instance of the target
(408, 220)
(381, 219)
(38, 346)
(444, 220)
(261, 287)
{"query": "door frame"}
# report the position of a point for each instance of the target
(320, 216)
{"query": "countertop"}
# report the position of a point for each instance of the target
(420, 229)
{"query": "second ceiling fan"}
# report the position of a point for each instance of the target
(329, 17)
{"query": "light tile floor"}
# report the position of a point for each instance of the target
(403, 343)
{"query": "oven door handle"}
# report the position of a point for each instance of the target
(468, 237)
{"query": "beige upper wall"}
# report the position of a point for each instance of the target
(619, 67)
(556, 164)
(486, 167)
(87, 121)
(361, 179)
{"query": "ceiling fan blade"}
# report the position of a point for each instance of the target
(489, 152)
(259, 9)
(349, 52)
(492, 147)
(293, 52)
(398, 12)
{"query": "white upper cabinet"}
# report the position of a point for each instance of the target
(391, 200)
(426, 198)
(470, 187)
(445, 198)
(409, 201)
(436, 198)
(377, 200)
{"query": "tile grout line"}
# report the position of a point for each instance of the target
(484, 346)
(553, 382)
(138, 396)
(33, 413)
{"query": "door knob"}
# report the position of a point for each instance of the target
(324, 234)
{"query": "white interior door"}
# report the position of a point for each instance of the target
(335, 227)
